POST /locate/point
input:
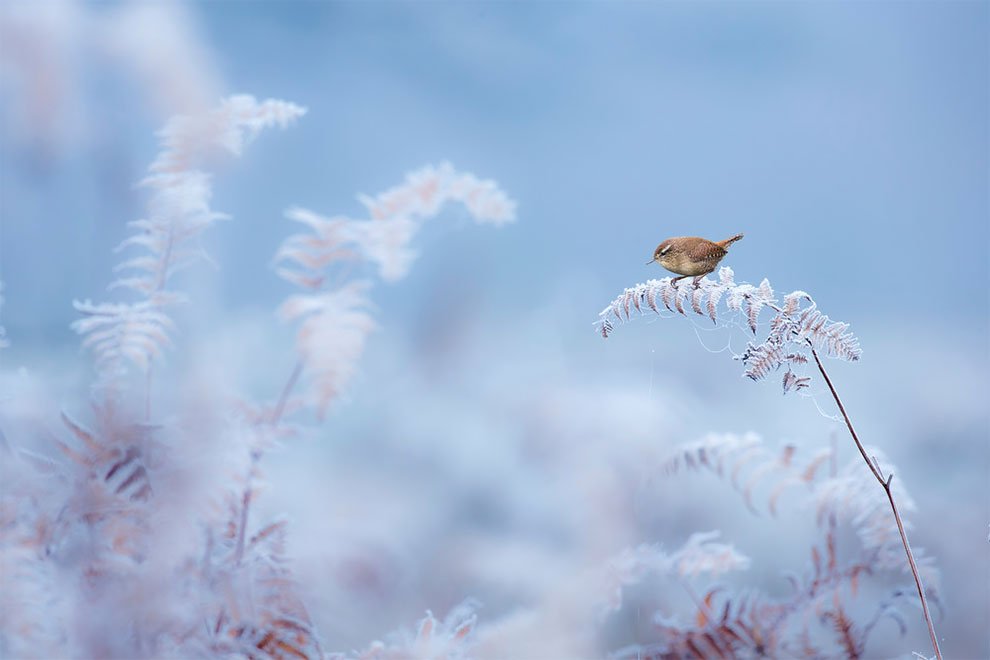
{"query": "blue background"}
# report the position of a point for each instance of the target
(848, 141)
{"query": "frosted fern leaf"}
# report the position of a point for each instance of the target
(336, 323)
(749, 465)
(792, 382)
(231, 126)
(167, 239)
(796, 327)
(118, 333)
(396, 215)
(700, 554)
(331, 338)
(852, 496)
(428, 188)
(451, 638)
(179, 209)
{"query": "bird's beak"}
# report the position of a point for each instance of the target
(650, 261)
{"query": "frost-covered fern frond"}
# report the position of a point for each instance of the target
(258, 613)
(166, 241)
(332, 333)
(845, 499)
(426, 190)
(395, 217)
(335, 319)
(750, 465)
(726, 626)
(119, 333)
(179, 209)
(796, 326)
(701, 554)
(33, 599)
(231, 126)
(450, 639)
(851, 497)
(178, 213)
(848, 497)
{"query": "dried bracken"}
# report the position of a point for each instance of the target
(700, 554)
(333, 328)
(333, 318)
(135, 334)
(814, 620)
(450, 639)
(154, 523)
(257, 612)
(798, 334)
(796, 327)
(749, 465)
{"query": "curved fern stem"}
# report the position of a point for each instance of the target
(885, 483)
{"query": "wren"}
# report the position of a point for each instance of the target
(691, 256)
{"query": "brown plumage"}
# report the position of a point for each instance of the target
(691, 256)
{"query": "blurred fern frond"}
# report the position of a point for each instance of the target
(257, 612)
(123, 334)
(396, 215)
(333, 318)
(333, 328)
(740, 624)
(701, 554)
(749, 464)
(450, 638)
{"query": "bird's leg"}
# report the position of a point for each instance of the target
(697, 281)
(674, 281)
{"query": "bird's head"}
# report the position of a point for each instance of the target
(661, 251)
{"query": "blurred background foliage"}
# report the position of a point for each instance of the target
(492, 442)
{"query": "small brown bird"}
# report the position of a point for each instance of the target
(689, 256)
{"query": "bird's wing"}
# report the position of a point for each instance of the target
(706, 251)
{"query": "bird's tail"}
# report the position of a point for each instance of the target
(729, 241)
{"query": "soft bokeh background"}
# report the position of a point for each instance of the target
(493, 444)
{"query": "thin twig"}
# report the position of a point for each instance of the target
(885, 483)
(256, 456)
(159, 287)
(242, 526)
(284, 398)
(245, 506)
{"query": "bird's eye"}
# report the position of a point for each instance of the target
(664, 251)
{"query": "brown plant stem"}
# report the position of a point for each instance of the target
(242, 526)
(885, 483)
(255, 456)
(284, 398)
(246, 498)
